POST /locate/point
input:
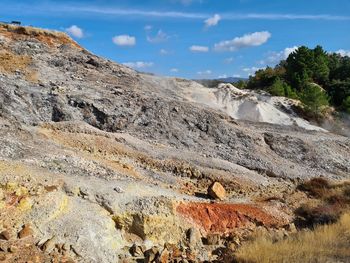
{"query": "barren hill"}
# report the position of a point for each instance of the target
(96, 157)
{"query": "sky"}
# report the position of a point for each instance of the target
(192, 38)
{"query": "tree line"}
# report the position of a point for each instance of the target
(315, 77)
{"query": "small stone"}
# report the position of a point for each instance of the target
(164, 256)
(26, 231)
(118, 189)
(13, 249)
(49, 245)
(291, 228)
(213, 239)
(66, 247)
(151, 254)
(194, 238)
(2, 257)
(232, 246)
(136, 251)
(217, 191)
(5, 235)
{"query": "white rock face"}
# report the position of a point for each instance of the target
(249, 105)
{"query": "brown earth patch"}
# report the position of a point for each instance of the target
(50, 38)
(225, 218)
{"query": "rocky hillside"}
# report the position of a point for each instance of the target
(99, 163)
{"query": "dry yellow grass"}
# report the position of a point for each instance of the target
(328, 243)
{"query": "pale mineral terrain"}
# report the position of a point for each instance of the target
(101, 163)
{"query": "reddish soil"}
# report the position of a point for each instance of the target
(223, 218)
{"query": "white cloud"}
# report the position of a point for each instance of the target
(128, 12)
(236, 76)
(205, 72)
(160, 37)
(248, 40)
(174, 70)
(139, 64)
(343, 52)
(75, 31)
(250, 71)
(212, 21)
(228, 60)
(124, 40)
(275, 57)
(196, 48)
(164, 52)
(224, 76)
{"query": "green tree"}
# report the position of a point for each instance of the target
(319, 65)
(290, 92)
(241, 84)
(314, 99)
(299, 67)
(277, 88)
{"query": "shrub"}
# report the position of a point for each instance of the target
(317, 187)
(308, 216)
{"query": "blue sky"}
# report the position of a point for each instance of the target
(192, 38)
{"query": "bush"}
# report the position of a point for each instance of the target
(308, 216)
(317, 187)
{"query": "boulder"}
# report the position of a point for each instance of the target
(5, 235)
(136, 251)
(217, 191)
(25, 232)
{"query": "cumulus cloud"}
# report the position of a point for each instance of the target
(75, 31)
(163, 52)
(205, 72)
(276, 57)
(250, 71)
(248, 40)
(343, 52)
(139, 64)
(158, 38)
(196, 48)
(124, 40)
(174, 70)
(212, 21)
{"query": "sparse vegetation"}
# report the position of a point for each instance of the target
(314, 76)
(328, 243)
(332, 200)
(326, 238)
